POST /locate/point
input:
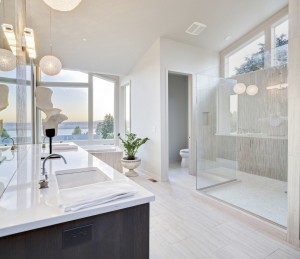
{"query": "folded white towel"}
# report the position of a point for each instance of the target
(77, 198)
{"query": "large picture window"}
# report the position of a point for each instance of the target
(8, 116)
(88, 101)
(268, 48)
(74, 103)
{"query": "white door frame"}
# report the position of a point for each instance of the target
(191, 122)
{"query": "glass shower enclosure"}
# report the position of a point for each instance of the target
(242, 143)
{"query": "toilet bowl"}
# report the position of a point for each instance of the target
(185, 154)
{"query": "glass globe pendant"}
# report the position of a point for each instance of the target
(7, 60)
(252, 90)
(63, 5)
(239, 88)
(50, 65)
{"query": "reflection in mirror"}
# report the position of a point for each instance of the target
(127, 110)
(8, 163)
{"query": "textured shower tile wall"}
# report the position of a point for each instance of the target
(265, 155)
(206, 116)
(256, 113)
(207, 110)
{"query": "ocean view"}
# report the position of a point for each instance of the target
(65, 129)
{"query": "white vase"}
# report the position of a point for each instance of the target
(131, 165)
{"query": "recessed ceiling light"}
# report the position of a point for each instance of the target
(196, 28)
(84, 39)
(227, 38)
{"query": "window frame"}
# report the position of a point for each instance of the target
(242, 46)
(89, 85)
(265, 27)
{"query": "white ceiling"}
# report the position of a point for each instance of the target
(118, 32)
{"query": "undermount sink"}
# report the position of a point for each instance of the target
(80, 176)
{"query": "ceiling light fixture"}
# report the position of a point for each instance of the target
(30, 43)
(49, 64)
(63, 5)
(9, 33)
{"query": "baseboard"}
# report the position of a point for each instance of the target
(256, 222)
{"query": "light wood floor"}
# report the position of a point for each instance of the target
(183, 226)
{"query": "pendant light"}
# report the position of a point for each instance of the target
(239, 88)
(252, 90)
(7, 58)
(63, 5)
(49, 64)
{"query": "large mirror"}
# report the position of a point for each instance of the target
(15, 93)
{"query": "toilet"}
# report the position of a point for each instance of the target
(185, 154)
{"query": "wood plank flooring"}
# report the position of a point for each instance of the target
(183, 226)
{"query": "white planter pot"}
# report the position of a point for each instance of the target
(131, 165)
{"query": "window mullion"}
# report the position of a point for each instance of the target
(90, 109)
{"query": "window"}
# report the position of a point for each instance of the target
(127, 110)
(280, 43)
(8, 116)
(269, 48)
(103, 108)
(75, 106)
(247, 59)
(88, 101)
(66, 76)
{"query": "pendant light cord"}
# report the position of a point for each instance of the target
(3, 15)
(50, 31)
(29, 7)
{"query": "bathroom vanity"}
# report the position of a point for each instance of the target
(34, 226)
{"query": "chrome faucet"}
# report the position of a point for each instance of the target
(44, 182)
(13, 146)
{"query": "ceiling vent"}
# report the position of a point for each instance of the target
(196, 28)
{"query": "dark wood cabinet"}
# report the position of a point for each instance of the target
(119, 234)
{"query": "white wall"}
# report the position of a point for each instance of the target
(178, 115)
(149, 100)
(187, 59)
(145, 108)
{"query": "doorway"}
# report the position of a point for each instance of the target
(179, 130)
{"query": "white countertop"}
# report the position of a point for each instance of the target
(24, 206)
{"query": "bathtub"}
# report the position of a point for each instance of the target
(109, 154)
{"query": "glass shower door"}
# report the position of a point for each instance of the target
(216, 131)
